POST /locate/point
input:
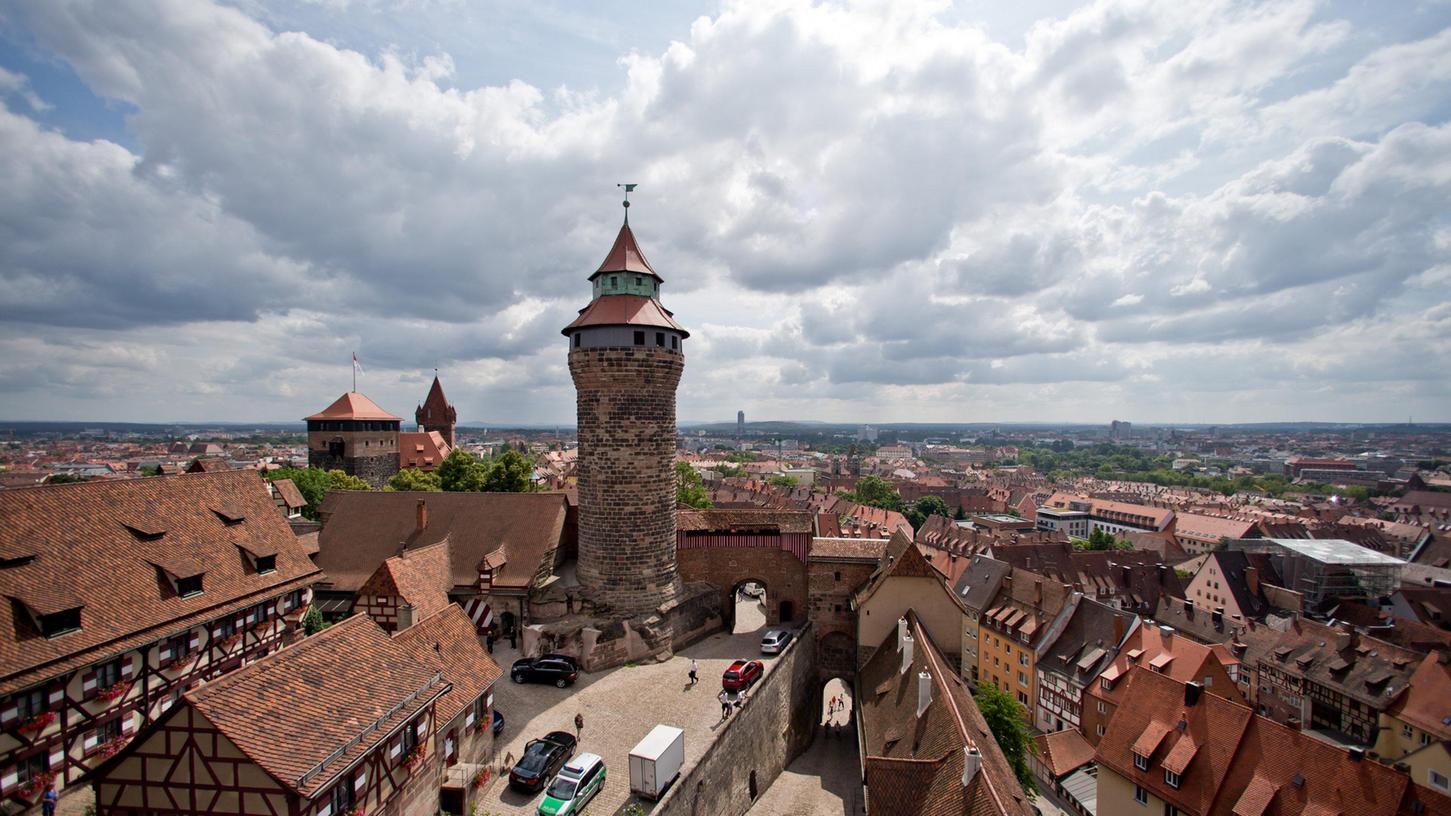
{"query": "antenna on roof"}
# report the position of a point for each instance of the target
(629, 188)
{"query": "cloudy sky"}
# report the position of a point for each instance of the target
(877, 211)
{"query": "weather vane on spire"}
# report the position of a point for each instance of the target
(629, 188)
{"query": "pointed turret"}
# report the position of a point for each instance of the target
(625, 256)
(435, 414)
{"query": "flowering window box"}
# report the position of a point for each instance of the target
(36, 786)
(481, 778)
(357, 811)
(175, 663)
(36, 724)
(113, 692)
(226, 643)
(412, 759)
(111, 748)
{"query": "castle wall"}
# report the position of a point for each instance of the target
(626, 426)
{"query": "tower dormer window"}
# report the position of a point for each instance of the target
(576, 341)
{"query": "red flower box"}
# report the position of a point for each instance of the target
(413, 759)
(36, 786)
(113, 692)
(36, 724)
(110, 749)
(481, 778)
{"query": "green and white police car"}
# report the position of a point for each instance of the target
(576, 784)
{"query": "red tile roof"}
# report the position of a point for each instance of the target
(292, 710)
(448, 640)
(353, 405)
(421, 577)
(424, 450)
(625, 255)
(1063, 751)
(290, 495)
(626, 310)
(83, 552)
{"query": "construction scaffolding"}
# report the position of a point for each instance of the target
(1329, 568)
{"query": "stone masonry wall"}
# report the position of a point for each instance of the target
(772, 728)
(625, 400)
(375, 470)
(782, 573)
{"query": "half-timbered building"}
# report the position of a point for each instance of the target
(408, 587)
(346, 722)
(503, 547)
(120, 596)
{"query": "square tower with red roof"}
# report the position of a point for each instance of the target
(355, 436)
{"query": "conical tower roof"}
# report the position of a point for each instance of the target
(625, 256)
(436, 404)
(353, 405)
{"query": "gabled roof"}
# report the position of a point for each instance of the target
(352, 405)
(914, 764)
(293, 709)
(447, 639)
(362, 529)
(625, 256)
(1063, 752)
(424, 450)
(83, 551)
(290, 495)
(980, 582)
(1426, 701)
(421, 577)
(435, 405)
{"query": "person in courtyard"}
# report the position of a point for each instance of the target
(693, 678)
(725, 705)
(578, 724)
(48, 800)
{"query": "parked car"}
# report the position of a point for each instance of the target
(576, 784)
(542, 759)
(498, 722)
(775, 640)
(741, 675)
(563, 658)
(544, 670)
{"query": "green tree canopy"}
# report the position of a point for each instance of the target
(781, 481)
(689, 488)
(339, 480)
(926, 506)
(1006, 719)
(312, 483)
(874, 491)
(461, 472)
(509, 473)
(416, 480)
(66, 478)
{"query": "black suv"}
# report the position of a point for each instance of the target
(542, 760)
(554, 669)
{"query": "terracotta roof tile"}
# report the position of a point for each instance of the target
(625, 255)
(626, 310)
(80, 544)
(421, 577)
(353, 405)
(448, 639)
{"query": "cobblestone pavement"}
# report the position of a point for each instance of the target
(825, 780)
(619, 706)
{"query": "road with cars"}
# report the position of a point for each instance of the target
(619, 707)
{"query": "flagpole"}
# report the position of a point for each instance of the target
(355, 372)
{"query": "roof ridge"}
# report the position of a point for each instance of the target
(232, 678)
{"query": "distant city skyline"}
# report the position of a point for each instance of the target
(1167, 213)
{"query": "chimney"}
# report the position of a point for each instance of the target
(971, 762)
(422, 516)
(1356, 754)
(1218, 616)
(924, 692)
(906, 655)
(405, 617)
(901, 631)
(1192, 690)
(1166, 634)
(1443, 656)
(1252, 580)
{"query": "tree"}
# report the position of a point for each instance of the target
(781, 481)
(922, 508)
(461, 472)
(874, 491)
(66, 478)
(415, 480)
(150, 470)
(689, 488)
(312, 621)
(961, 514)
(312, 483)
(1006, 719)
(510, 473)
(340, 480)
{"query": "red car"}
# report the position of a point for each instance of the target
(742, 674)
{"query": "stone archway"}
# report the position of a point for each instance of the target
(836, 656)
(749, 606)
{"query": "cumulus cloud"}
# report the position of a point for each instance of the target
(864, 211)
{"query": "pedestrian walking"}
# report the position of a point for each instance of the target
(513, 639)
(693, 678)
(578, 724)
(48, 800)
(489, 640)
(725, 705)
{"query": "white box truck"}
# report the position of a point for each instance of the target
(656, 761)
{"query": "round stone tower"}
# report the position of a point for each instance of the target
(626, 355)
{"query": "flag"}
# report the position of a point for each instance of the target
(357, 366)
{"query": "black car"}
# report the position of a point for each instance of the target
(498, 722)
(544, 670)
(541, 761)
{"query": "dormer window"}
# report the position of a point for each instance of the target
(266, 564)
(1141, 762)
(189, 586)
(60, 623)
(1171, 779)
